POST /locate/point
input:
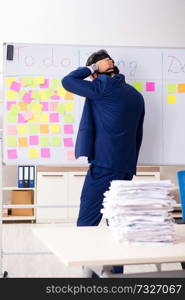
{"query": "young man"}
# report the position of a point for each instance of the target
(110, 131)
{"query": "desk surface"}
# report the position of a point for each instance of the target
(77, 246)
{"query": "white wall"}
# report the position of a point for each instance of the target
(99, 22)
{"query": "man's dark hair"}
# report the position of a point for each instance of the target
(101, 54)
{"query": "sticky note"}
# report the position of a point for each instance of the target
(33, 128)
(15, 109)
(150, 86)
(44, 141)
(11, 141)
(61, 92)
(23, 105)
(9, 104)
(55, 97)
(68, 118)
(35, 107)
(27, 115)
(44, 128)
(43, 95)
(11, 117)
(33, 153)
(15, 86)
(11, 130)
(68, 129)
(34, 118)
(70, 155)
(60, 108)
(21, 94)
(35, 95)
(68, 142)
(171, 99)
(39, 79)
(22, 129)
(45, 152)
(54, 117)
(27, 97)
(23, 141)
(33, 140)
(138, 86)
(21, 119)
(11, 95)
(49, 92)
(69, 106)
(55, 141)
(44, 118)
(68, 96)
(53, 106)
(12, 154)
(45, 84)
(171, 88)
(55, 128)
(9, 81)
(27, 80)
(55, 83)
(181, 88)
(45, 106)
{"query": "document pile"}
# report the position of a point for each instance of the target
(139, 211)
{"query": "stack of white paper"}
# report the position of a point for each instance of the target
(140, 211)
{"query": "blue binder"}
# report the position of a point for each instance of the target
(31, 176)
(26, 176)
(181, 182)
(20, 176)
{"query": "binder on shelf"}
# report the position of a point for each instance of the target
(20, 177)
(31, 176)
(181, 183)
(26, 176)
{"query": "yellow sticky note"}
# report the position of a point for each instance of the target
(69, 106)
(39, 79)
(171, 99)
(44, 118)
(60, 108)
(55, 83)
(68, 118)
(55, 141)
(9, 81)
(61, 92)
(22, 129)
(33, 153)
(55, 128)
(11, 95)
(35, 107)
(44, 141)
(11, 141)
(27, 80)
(11, 117)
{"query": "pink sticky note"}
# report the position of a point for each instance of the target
(55, 97)
(70, 155)
(12, 130)
(12, 154)
(54, 117)
(33, 140)
(45, 152)
(27, 97)
(53, 106)
(9, 104)
(150, 86)
(68, 142)
(45, 84)
(45, 106)
(15, 86)
(21, 118)
(68, 129)
(27, 114)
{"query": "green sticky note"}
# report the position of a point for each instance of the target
(68, 118)
(11, 118)
(14, 109)
(11, 141)
(21, 94)
(171, 88)
(44, 141)
(60, 108)
(55, 83)
(49, 93)
(138, 86)
(27, 80)
(35, 95)
(33, 128)
(55, 141)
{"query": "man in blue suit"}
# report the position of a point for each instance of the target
(110, 131)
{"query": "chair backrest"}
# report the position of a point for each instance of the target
(181, 182)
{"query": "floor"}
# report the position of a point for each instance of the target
(19, 237)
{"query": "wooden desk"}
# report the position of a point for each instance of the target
(96, 246)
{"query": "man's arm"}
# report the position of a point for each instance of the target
(139, 135)
(75, 83)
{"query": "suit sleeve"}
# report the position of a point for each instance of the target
(139, 135)
(74, 82)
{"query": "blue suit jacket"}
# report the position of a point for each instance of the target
(111, 127)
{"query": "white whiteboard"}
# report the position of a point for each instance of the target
(158, 73)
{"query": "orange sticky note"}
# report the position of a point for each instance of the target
(68, 96)
(23, 105)
(181, 88)
(44, 128)
(23, 142)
